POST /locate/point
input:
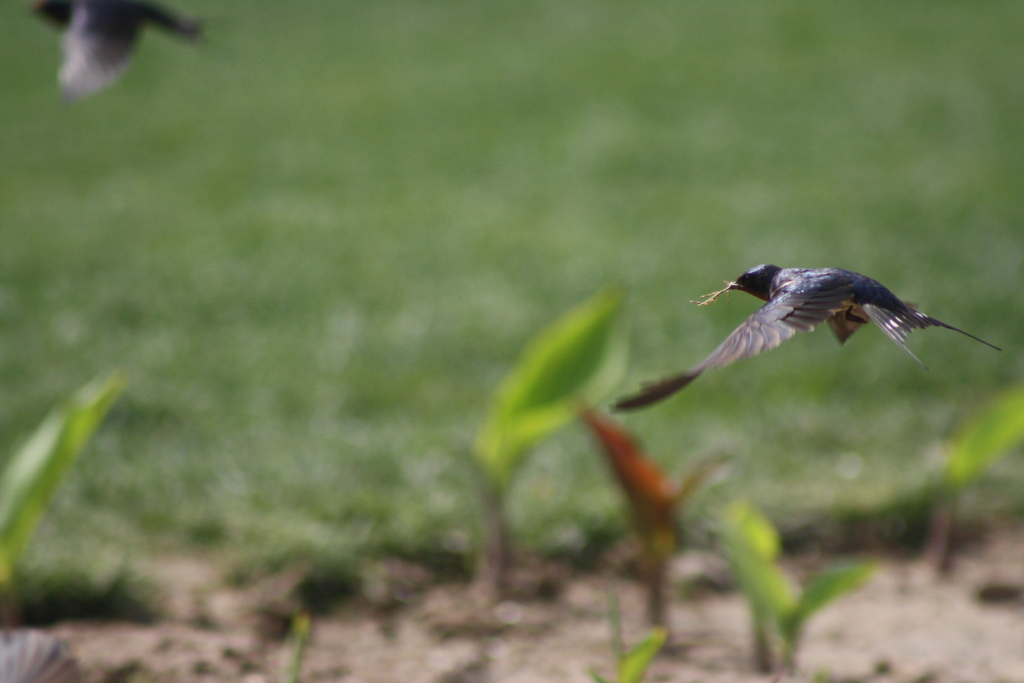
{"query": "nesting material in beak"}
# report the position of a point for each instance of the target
(710, 298)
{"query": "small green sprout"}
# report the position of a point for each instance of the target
(779, 610)
(992, 433)
(581, 357)
(300, 630)
(632, 665)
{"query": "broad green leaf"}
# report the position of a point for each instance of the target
(33, 473)
(598, 678)
(986, 438)
(634, 665)
(752, 544)
(580, 357)
(756, 529)
(823, 588)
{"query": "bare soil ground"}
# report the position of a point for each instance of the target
(904, 626)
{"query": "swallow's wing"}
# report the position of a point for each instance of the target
(185, 26)
(34, 657)
(795, 308)
(98, 45)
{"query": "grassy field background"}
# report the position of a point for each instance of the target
(318, 241)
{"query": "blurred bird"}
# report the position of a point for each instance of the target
(28, 656)
(100, 36)
(799, 299)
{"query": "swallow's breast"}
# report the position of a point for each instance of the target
(847, 320)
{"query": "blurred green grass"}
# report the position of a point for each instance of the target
(318, 241)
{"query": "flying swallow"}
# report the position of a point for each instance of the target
(100, 36)
(799, 299)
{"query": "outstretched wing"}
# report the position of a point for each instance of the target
(34, 657)
(799, 307)
(186, 26)
(98, 45)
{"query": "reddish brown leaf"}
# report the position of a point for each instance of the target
(651, 494)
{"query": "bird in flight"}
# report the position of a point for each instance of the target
(799, 299)
(100, 36)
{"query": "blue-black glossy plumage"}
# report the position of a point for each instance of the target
(798, 300)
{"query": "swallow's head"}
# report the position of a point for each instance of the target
(757, 281)
(57, 11)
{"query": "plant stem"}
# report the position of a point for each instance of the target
(615, 621)
(764, 662)
(655, 575)
(939, 550)
(497, 556)
(788, 658)
(300, 636)
(10, 608)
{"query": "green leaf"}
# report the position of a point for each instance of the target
(756, 530)
(986, 438)
(598, 678)
(33, 473)
(634, 665)
(825, 587)
(581, 357)
(752, 545)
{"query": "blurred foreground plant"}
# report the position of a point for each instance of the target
(581, 357)
(631, 666)
(654, 499)
(299, 637)
(993, 432)
(34, 472)
(779, 610)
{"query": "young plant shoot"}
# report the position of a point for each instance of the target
(991, 434)
(580, 357)
(630, 666)
(653, 499)
(299, 636)
(779, 610)
(33, 474)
